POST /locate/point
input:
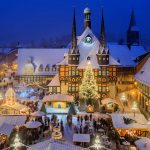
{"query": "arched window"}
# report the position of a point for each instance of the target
(54, 68)
(47, 68)
(41, 68)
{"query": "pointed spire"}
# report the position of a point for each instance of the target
(102, 33)
(132, 20)
(74, 40)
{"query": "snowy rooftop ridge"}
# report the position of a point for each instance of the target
(54, 145)
(144, 74)
(40, 56)
(55, 81)
(118, 121)
(143, 143)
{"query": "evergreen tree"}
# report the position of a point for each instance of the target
(72, 110)
(43, 109)
(88, 89)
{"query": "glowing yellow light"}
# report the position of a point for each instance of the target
(135, 83)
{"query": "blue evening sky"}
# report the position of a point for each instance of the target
(33, 20)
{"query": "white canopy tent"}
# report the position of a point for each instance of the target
(143, 143)
(84, 138)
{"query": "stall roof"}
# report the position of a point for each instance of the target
(141, 122)
(108, 100)
(81, 138)
(143, 143)
(13, 120)
(6, 129)
(53, 145)
(58, 97)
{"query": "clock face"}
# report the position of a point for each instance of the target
(88, 39)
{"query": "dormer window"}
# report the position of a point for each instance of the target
(54, 68)
(47, 68)
(41, 68)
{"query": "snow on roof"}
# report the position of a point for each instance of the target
(64, 61)
(13, 120)
(108, 100)
(141, 122)
(40, 56)
(6, 129)
(143, 143)
(81, 138)
(119, 55)
(58, 97)
(113, 62)
(55, 81)
(124, 55)
(88, 49)
(54, 145)
(144, 74)
(86, 10)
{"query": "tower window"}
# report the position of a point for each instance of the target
(73, 58)
(104, 58)
(88, 39)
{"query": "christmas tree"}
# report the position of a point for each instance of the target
(43, 109)
(16, 144)
(88, 88)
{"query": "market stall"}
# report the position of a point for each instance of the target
(58, 100)
(130, 125)
(11, 106)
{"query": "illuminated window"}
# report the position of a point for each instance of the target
(88, 39)
(103, 72)
(54, 68)
(41, 68)
(47, 68)
(103, 89)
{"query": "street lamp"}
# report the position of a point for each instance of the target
(124, 100)
(134, 107)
